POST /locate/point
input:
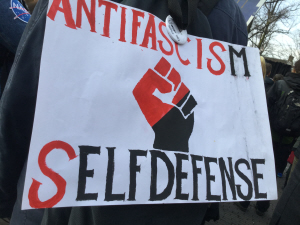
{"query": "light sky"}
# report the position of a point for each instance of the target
(286, 40)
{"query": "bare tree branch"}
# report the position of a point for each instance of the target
(274, 18)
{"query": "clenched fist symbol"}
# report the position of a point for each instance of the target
(167, 106)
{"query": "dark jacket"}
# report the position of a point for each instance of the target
(296, 148)
(11, 29)
(228, 23)
(17, 107)
(276, 96)
(268, 83)
(17, 112)
(281, 87)
(287, 210)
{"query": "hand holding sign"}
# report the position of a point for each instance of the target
(167, 105)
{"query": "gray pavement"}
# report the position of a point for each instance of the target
(232, 215)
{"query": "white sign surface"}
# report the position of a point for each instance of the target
(126, 116)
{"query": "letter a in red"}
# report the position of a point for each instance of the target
(66, 10)
(150, 32)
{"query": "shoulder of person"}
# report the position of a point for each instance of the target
(228, 23)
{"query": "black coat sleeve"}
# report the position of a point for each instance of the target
(273, 94)
(17, 107)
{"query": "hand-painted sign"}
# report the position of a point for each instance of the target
(19, 10)
(249, 8)
(125, 115)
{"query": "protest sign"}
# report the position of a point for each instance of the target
(124, 115)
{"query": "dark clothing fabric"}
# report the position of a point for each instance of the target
(6, 61)
(281, 154)
(17, 112)
(297, 153)
(296, 148)
(11, 30)
(282, 145)
(28, 217)
(262, 206)
(291, 81)
(287, 210)
(275, 98)
(176, 214)
(268, 83)
(228, 23)
(213, 212)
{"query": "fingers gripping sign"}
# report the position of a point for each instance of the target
(167, 105)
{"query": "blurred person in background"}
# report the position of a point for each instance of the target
(287, 210)
(267, 80)
(278, 77)
(279, 106)
(263, 66)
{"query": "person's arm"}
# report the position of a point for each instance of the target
(31, 4)
(17, 117)
(11, 29)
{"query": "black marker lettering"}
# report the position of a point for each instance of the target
(238, 54)
(229, 176)
(257, 176)
(153, 187)
(245, 178)
(210, 178)
(84, 173)
(196, 171)
(110, 178)
(179, 176)
(133, 170)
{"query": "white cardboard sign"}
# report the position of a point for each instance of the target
(126, 116)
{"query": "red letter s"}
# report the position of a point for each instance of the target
(211, 48)
(60, 183)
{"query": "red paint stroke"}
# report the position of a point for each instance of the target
(60, 183)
